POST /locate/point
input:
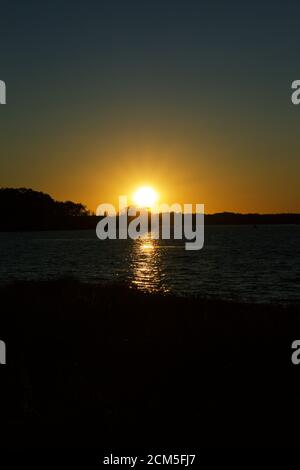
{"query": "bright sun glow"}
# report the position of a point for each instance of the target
(145, 197)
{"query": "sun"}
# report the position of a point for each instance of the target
(145, 197)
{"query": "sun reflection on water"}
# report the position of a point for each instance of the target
(146, 265)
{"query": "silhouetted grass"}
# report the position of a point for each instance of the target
(91, 364)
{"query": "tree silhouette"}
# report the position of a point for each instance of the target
(23, 208)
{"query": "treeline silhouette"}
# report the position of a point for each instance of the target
(232, 218)
(26, 209)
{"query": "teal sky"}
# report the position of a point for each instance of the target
(191, 97)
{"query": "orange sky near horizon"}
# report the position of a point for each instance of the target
(183, 169)
(210, 180)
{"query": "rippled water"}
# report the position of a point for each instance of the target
(237, 262)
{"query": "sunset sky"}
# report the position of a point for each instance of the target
(190, 97)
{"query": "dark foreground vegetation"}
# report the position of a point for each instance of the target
(91, 365)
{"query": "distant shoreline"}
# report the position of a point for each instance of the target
(24, 209)
(89, 222)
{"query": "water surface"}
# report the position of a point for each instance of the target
(237, 262)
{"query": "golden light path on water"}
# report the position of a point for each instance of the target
(146, 265)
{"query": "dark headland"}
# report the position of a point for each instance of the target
(25, 209)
